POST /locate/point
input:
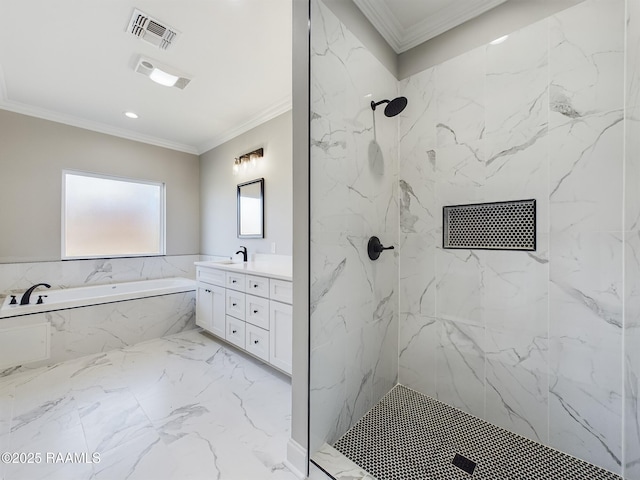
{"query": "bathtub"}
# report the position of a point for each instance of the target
(95, 295)
(75, 322)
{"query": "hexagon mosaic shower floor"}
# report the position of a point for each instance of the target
(409, 436)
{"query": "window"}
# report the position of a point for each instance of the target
(111, 217)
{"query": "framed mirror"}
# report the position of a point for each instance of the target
(251, 209)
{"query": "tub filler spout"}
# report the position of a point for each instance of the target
(27, 295)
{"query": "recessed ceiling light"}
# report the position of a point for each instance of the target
(499, 40)
(131, 114)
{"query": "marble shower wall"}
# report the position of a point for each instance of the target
(354, 301)
(530, 341)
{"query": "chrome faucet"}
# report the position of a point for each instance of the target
(243, 251)
(27, 295)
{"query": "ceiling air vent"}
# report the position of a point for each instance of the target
(151, 30)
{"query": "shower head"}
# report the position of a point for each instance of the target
(393, 108)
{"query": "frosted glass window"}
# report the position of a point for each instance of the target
(111, 217)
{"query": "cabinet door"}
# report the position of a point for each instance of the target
(280, 335)
(218, 319)
(204, 307)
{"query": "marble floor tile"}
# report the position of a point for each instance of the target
(181, 407)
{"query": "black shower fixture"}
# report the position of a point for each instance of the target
(393, 108)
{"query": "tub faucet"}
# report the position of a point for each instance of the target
(25, 298)
(243, 251)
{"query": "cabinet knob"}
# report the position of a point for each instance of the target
(234, 331)
(234, 304)
(255, 311)
(255, 342)
(255, 285)
(233, 281)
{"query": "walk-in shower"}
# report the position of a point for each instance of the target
(419, 355)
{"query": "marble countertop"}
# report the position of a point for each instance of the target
(278, 270)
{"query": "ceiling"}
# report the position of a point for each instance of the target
(73, 61)
(407, 23)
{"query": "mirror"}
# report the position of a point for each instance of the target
(251, 209)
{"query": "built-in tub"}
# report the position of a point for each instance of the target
(79, 321)
(95, 295)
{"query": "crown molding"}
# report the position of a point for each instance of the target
(280, 107)
(384, 20)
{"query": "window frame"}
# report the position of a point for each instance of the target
(63, 210)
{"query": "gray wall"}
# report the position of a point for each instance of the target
(218, 190)
(33, 153)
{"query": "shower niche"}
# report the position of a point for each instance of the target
(507, 225)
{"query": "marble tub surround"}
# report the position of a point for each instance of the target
(353, 195)
(17, 277)
(77, 332)
(180, 407)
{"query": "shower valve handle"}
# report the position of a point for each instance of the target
(375, 248)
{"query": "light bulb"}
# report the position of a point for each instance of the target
(163, 78)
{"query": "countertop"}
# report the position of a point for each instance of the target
(278, 270)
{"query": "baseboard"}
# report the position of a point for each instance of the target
(296, 459)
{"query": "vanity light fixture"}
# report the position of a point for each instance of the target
(246, 159)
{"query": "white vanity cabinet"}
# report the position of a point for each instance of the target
(251, 311)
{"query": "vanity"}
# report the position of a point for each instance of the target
(248, 304)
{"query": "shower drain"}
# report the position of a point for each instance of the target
(464, 463)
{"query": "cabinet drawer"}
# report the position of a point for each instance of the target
(257, 341)
(234, 305)
(281, 290)
(258, 286)
(235, 281)
(235, 331)
(212, 276)
(257, 311)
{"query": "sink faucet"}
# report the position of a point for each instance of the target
(243, 251)
(25, 298)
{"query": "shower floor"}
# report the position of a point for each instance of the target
(409, 436)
